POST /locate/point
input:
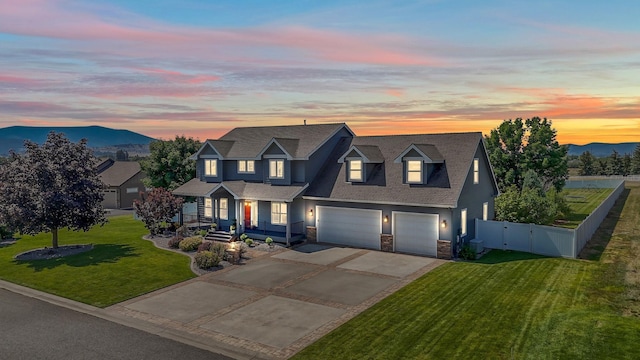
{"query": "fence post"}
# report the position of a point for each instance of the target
(504, 235)
(531, 238)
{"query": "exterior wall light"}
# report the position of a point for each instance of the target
(443, 224)
(386, 218)
(310, 212)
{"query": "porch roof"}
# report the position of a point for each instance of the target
(195, 187)
(242, 190)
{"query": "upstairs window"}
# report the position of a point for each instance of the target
(276, 169)
(414, 171)
(355, 170)
(211, 167)
(246, 167)
(279, 213)
(476, 171)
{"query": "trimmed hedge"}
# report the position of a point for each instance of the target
(190, 243)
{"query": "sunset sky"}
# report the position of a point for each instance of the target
(199, 68)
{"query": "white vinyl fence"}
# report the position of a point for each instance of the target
(548, 240)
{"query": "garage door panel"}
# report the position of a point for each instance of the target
(347, 226)
(416, 233)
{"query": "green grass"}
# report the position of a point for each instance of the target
(122, 265)
(582, 202)
(510, 305)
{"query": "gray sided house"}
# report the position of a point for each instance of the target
(415, 194)
(123, 180)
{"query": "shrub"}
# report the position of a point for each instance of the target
(248, 241)
(242, 249)
(5, 232)
(214, 226)
(207, 259)
(467, 253)
(205, 246)
(269, 241)
(174, 242)
(218, 248)
(243, 237)
(190, 243)
(202, 232)
(182, 231)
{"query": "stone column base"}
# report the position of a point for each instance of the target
(444, 249)
(386, 242)
(311, 234)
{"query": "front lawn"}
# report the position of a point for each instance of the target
(122, 265)
(582, 203)
(510, 305)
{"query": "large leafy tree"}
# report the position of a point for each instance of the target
(169, 166)
(517, 146)
(588, 165)
(50, 187)
(158, 207)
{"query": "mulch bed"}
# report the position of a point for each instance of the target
(51, 253)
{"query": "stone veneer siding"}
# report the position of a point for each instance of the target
(386, 242)
(311, 234)
(444, 249)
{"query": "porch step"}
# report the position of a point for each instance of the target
(218, 235)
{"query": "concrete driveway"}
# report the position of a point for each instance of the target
(273, 306)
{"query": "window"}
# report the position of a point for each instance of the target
(476, 171)
(208, 208)
(224, 209)
(132, 190)
(211, 167)
(279, 213)
(246, 166)
(414, 171)
(355, 170)
(463, 222)
(485, 211)
(276, 169)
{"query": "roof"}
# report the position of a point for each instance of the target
(385, 183)
(242, 190)
(370, 153)
(298, 141)
(118, 173)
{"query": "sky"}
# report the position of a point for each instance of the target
(200, 68)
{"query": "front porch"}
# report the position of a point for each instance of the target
(277, 236)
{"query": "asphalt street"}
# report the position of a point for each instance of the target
(34, 329)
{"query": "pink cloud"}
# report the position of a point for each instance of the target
(395, 92)
(17, 80)
(178, 77)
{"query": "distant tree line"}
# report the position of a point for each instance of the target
(615, 164)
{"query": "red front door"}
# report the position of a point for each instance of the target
(247, 215)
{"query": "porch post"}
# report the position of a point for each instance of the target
(239, 217)
(288, 223)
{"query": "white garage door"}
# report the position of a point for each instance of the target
(415, 233)
(352, 227)
(110, 200)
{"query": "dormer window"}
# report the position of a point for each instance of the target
(355, 170)
(246, 167)
(414, 171)
(211, 167)
(276, 169)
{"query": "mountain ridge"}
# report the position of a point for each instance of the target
(599, 149)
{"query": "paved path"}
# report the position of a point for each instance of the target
(35, 329)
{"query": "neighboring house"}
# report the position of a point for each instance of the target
(416, 194)
(124, 183)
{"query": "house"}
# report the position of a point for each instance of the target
(416, 194)
(123, 180)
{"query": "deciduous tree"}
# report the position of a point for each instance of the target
(51, 187)
(157, 207)
(169, 166)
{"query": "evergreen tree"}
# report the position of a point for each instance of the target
(615, 166)
(626, 165)
(635, 161)
(587, 164)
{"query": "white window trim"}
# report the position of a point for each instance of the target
(224, 208)
(414, 172)
(243, 167)
(359, 171)
(278, 211)
(275, 165)
(476, 171)
(463, 222)
(210, 170)
(485, 211)
(208, 207)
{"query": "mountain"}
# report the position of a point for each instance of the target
(97, 136)
(602, 149)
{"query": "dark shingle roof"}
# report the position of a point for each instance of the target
(385, 183)
(242, 190)
(118, 173)
(298, 140)
(194, 187)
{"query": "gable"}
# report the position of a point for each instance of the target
(273, 149)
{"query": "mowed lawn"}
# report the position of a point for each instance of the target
(582, 202)
(122, 265)
(511, 305)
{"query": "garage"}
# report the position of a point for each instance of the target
(346, 226)
(110, 200)
(415, 233)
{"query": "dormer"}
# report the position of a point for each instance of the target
(360, 161)
(278, 154)
(418, 162)
(209, 159)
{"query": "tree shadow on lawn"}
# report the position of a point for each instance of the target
(101, 253)
(594, 249)
(502, 256)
